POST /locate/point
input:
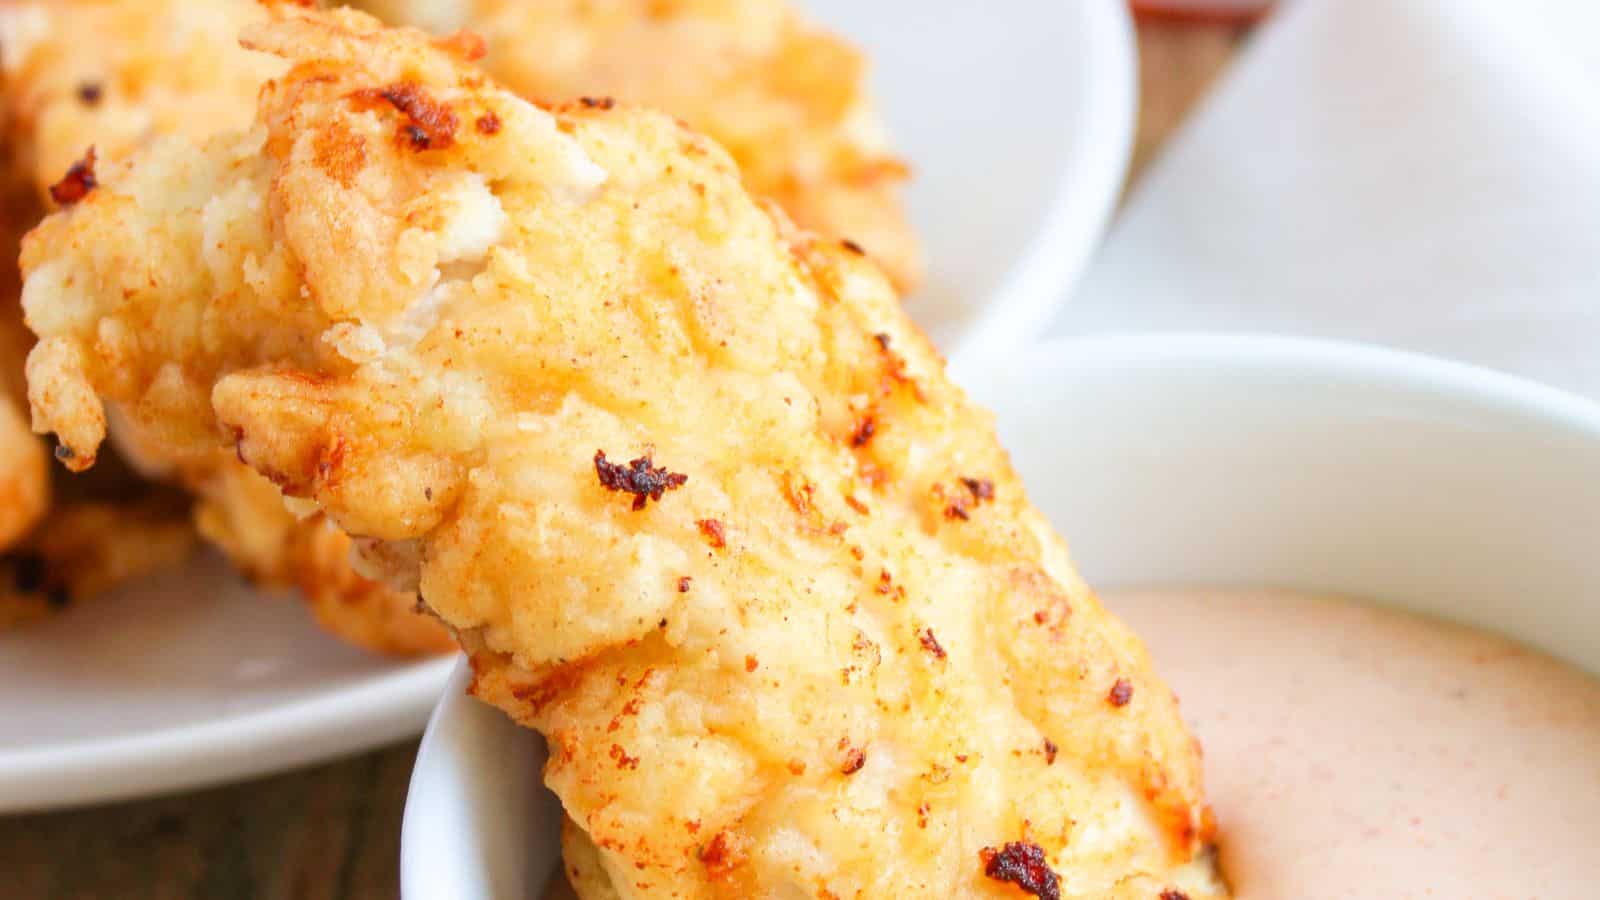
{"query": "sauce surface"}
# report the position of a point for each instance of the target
(1353, 752)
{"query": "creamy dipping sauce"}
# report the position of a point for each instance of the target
(1353, 752)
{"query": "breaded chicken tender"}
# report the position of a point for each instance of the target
(113, 74)
(116, 75)
(98, 535)
(694, 493)
(788, 99)
(87, 547)
(24, 469)
(24, 475)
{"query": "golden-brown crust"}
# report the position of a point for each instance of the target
(87, 548)
(431, 350)
(24, 464)
(119, 75)
(244, 514)
(116, 74)
(785, 97)
(24, 475)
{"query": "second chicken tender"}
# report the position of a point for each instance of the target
(24, 468)
(787, 98)
(116, 75)
(695, 494)
(60, 547)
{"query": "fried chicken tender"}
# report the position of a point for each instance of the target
(244, 514)
(785, 97)
(24, 470)
(117, 75)
(97, 537)
(86, 548)
(694, 493)
(24, 475)
(114, 73)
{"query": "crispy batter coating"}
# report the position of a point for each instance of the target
(244, 514)
(116, 75)
(86, 548)
(100, 534)
(113, 74)
(24, 475)
(24, 469)
(785, 97)
(429, 344)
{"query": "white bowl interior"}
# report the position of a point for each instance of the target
(1436, 487)
(1018, 138)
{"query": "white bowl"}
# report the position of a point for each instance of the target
(1191, 460)
(1017, 118)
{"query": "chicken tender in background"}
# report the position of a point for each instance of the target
(117, 75)
(244, 514)
(113, 74)
(88, 547)
(785, 97)
(24, 476)
(694, 493)
(100, 533)
(24, 470)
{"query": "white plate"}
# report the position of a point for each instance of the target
(185, 680)
(1018, 119)
(1430, 485)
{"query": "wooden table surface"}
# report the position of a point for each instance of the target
(334, 831)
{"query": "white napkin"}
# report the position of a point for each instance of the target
(1416, 173)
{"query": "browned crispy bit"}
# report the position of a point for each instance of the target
(930, 643)
(715, 534)
(90, 92)
(74, 186)
(853, 247)
(597, 102)
(854, 759)
(684, 583)
(430, 125)
(725, 852)
(865, 429)
(1022, 863)
(1121, 692)
(1174, 895)
(1050, 750)
(639, 477)
(800, 493)
(488, 124)
(622, 759)
(978, 491)
(981, 488)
